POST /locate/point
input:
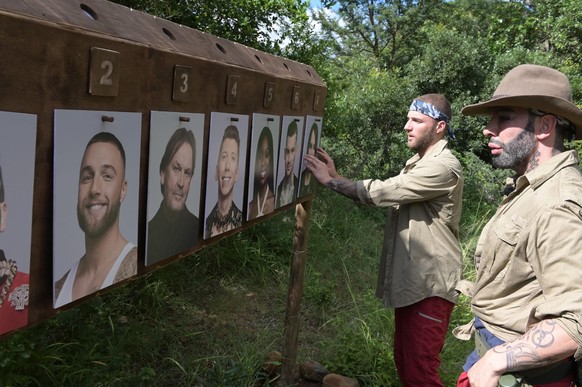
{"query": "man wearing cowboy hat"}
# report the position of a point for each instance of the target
(527, 298)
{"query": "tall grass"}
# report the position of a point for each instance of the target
(209, 319)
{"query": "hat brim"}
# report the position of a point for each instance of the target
(553, 105)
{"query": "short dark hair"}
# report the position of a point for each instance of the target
(292, 129)
(180, 137)
(440, 102)
(109, 138)
(231, 132)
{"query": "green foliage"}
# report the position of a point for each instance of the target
(362, 124)
(460, 49)
(483, 186)
(560, 26)
(254, 23)
(448, 63)
(384, 30)
(501, 24)
(360, 347)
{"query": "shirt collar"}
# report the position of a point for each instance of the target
(547, 169)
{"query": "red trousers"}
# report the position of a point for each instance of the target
(419, 337)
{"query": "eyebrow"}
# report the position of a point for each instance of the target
(184, 167)
(105, 167)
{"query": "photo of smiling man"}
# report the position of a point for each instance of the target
(225, 177)
(104, 174)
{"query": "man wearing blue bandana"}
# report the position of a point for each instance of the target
(421, 257)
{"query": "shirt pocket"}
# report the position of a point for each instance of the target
(508, 232)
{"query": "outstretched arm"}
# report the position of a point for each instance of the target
(544, 343)
(323, 169)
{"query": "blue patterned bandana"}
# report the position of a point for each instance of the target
(430, 110)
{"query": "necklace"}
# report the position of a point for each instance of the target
(261, 208)
(224, 223)
(8, 271)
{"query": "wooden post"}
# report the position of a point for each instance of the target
(302, 214)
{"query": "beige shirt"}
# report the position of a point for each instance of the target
(421, 255)
(529, 255)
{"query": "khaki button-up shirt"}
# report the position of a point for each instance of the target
(529, 255)
(421, 256)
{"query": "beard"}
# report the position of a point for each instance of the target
(422, 143)
(517, 151)
(93, 227)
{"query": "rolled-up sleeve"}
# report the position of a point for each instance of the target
(423, 182)
(555, 254)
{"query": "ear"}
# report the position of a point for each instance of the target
(3, 216)
(123, 191)
(441, 127)
(547, 127)
(162, 178)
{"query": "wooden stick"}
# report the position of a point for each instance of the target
(302, 214)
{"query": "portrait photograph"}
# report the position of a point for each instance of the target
(263, 165)
(289, 159)
(311, 141)
(174, 184)
(225, 179)
(17, 157)
(96, 201)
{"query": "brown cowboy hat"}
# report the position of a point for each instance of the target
(535, 87)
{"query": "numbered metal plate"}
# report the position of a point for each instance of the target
(104, 72)
(296, 98)
(183, 83)
(269, 94)
(317, 101)
(232, 89)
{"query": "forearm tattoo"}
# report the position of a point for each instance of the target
(523, 353)
(344, 186)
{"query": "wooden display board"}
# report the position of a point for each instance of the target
(80, 67)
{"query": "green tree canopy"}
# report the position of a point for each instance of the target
(262, 24)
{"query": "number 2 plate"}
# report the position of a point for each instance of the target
(104, 72)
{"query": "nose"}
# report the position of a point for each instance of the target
(180, 181)
(407, 126)
(96, 186)
(490, 129)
